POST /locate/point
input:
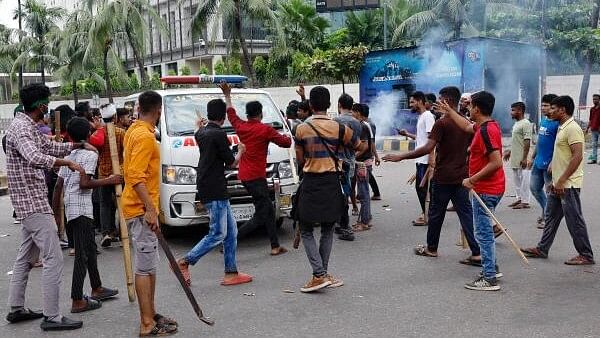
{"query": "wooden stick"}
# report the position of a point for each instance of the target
(114, 156)
(491, 214)
(61, 203)
(463, 239)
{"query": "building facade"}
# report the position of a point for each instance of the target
(172, 49)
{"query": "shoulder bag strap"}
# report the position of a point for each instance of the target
(326, 145)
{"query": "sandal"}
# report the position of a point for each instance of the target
(278, 251)
(419, 223)
(89, 306)
(421, 250)
(358, 227)
(580, 260)
(160, 330)
(162, 320)
(241, 278)
(497, 231)
(470, 261)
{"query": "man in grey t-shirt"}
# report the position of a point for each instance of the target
(345, 117)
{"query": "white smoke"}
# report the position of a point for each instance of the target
(383, 111)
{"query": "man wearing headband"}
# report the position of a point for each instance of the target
(28, 154)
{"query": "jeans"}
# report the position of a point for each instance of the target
(421, 192)
(362, 186)
(522, 177)
(85, 256)
(107, 209)
(441, 194)
(222, 229)
(595, 136)
(317, 257)
(485, 234)
(264, 213)
(540, 178)
(569, 207)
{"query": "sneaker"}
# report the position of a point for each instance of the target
(498, 273)
(335, 282)
(106, 240)
(316, 283)
(482, 284)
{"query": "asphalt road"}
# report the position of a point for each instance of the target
(389, 292)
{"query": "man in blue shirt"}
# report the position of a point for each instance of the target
(542, 156)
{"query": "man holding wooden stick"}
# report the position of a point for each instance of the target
(451, 144)
(140, 201)
(486, 177)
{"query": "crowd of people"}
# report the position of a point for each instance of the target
(458, 154)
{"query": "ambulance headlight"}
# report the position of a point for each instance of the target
(179, 175)
(284, 170)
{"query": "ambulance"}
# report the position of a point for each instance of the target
(182, 107)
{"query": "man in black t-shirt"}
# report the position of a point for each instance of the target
(451, 143)
(215, 155)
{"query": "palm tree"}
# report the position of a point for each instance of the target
(365, 28)
(32, 49)
(128, 17)
(301, 26)
(234, 11)
(69, 47)
(451, 15)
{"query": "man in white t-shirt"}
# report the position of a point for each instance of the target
(424, 126)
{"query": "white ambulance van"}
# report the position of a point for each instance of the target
(179, 153)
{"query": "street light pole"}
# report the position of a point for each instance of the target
(20, 39)
(385, 24)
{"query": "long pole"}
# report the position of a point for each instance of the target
(20, 39)
(385, 24)
(114, 156)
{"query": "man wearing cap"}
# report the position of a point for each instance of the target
(106, 193)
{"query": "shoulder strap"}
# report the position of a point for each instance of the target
(326, 144)
(486, 138)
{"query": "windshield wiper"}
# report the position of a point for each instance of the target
(184, 133)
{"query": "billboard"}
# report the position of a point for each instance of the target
(345, 5)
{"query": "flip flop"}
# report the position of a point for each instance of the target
(419, 224)
(162, 320)
(160, 330)
(89, 306)
(421, 250)
(241, 278)
(470, 261)
(281, 250)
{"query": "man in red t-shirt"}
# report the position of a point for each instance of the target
(594, 127)
(486, 178)
(252, 171)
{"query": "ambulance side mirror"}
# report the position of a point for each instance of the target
(157, 134)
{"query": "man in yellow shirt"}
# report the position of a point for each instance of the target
(567, 179)
(141, 165)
